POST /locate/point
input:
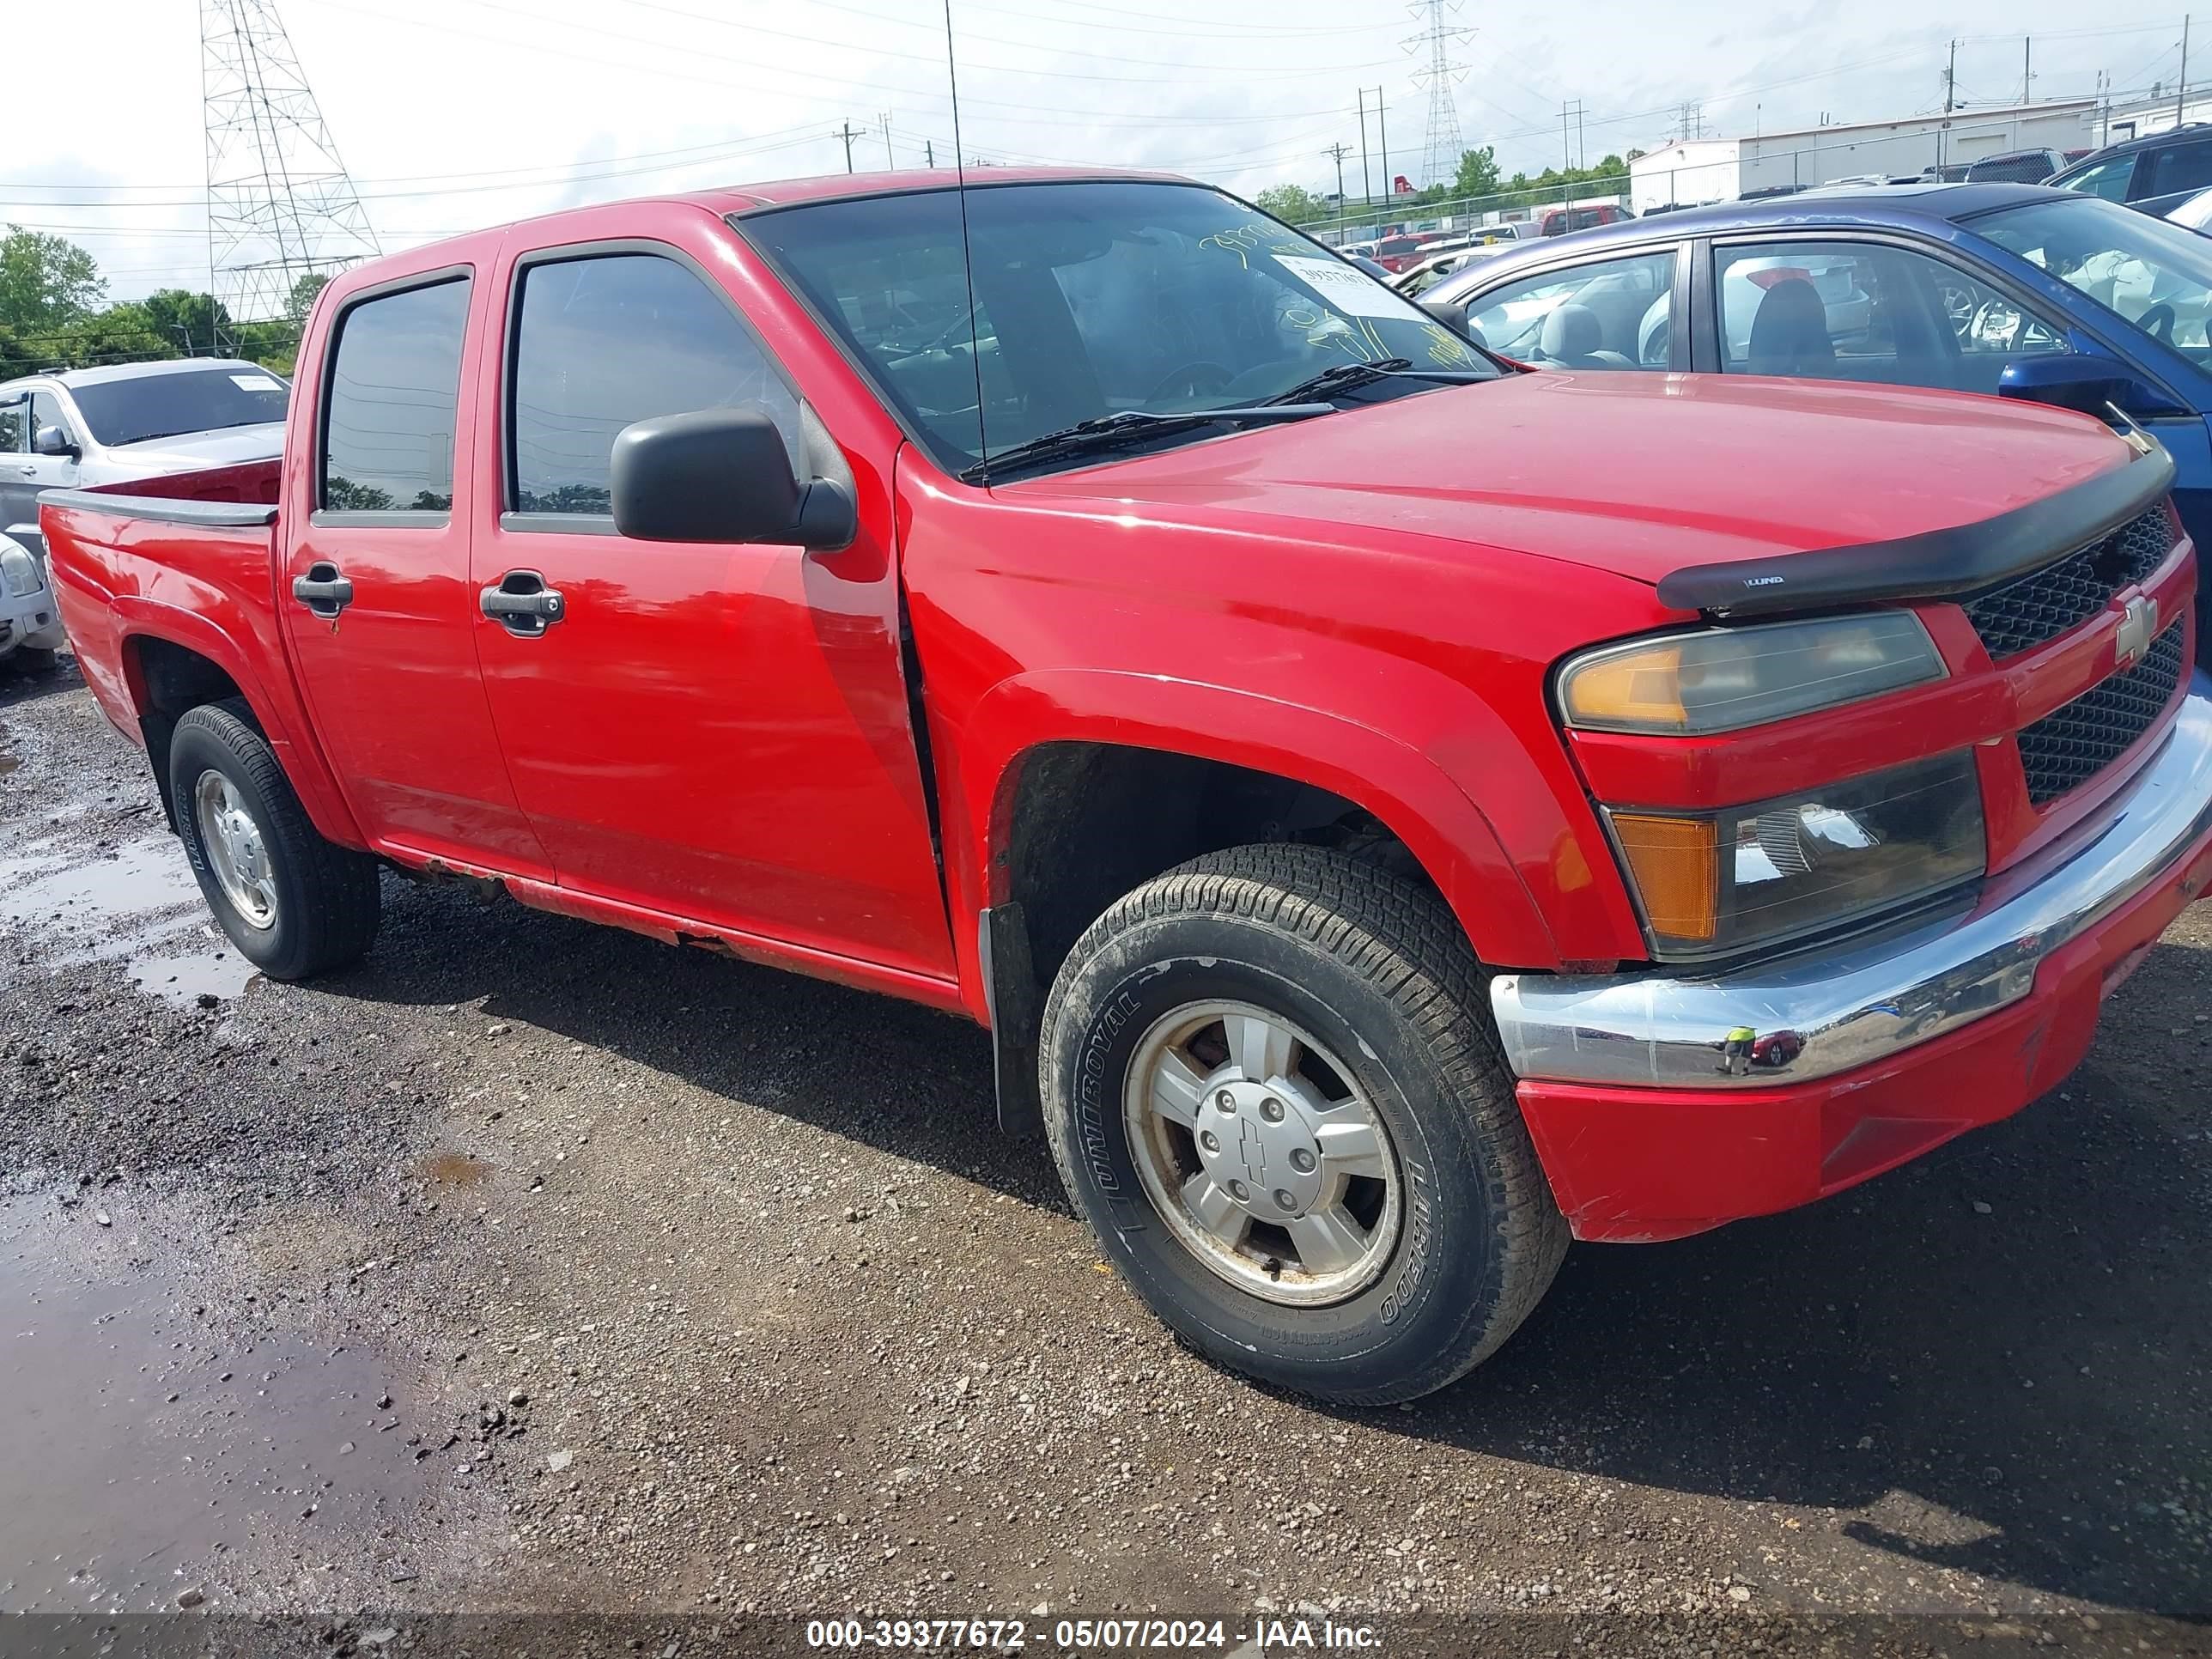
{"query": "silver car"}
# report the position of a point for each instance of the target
(80, 426)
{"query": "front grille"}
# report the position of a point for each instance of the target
(2041, 606)
(2070, 745)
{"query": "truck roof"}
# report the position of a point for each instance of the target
(834, 186)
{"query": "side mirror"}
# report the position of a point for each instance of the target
(2083, 381)
(53, 441)
(1451, 314)
(721, 474)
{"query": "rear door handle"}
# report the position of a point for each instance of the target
(522, 603)
(322, 590)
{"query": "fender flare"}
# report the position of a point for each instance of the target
(281, 720)
(1405, 790)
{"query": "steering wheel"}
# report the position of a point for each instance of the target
(1192, 380)
(2157, 323)
(1978, 330)
(1959, 308)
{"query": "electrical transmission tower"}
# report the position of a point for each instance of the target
(280, 205)
(1441, 152)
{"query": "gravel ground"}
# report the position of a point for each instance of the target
(531, 1267)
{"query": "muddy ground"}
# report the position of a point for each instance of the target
(533, 1266)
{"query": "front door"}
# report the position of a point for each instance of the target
(713, 732)
(16, 489)
(375, 590)
(34, 468)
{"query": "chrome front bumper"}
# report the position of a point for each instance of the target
(1819, 1013)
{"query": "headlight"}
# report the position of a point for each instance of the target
(1723, 678)
(1712, 883)
(19, 571)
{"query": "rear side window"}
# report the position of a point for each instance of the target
(2177, 168)
(388, 413)
(604, 341)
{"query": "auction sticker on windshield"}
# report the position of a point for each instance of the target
(1349, 290)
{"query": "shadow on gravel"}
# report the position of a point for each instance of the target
(18, 685)
(907, 1080)
(2020, 1393)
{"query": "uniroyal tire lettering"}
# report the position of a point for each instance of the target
(1089, 1085)
(1418, 1230)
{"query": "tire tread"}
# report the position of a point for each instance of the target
(1402, 939)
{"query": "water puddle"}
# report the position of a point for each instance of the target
(150, 1452)
(453, 1170)
(137, 904)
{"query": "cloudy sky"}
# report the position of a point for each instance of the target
(452, 114)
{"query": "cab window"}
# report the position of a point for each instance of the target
(388, 412)
(606, 340)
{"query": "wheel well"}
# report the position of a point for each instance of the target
(172, 680)
(1089, 821)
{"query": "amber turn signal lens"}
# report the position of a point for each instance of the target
(1676, 866)
(1638, 690)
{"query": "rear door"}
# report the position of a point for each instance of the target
(713, 732)
(375, 590)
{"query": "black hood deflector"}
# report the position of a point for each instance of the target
(1934, 565)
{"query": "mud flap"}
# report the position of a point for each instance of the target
(1011, 990)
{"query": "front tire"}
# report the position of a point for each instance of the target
(1273, 1088)
(295, 904)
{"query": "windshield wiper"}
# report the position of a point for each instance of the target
(1344, 377)
(1133, 426)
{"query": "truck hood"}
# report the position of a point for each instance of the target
(1638, 474)
(186, 452)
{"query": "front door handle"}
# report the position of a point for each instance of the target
(522, 603)
(323, 591)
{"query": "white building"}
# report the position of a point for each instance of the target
(1697, 170)
(1686, 172)
(2139, 119)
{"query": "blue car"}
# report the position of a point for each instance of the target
(2015, 289)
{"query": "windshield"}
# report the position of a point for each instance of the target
(132, 412)
(1090, 299)
(2154, 275)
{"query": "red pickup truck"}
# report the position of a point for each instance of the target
(1394, 812)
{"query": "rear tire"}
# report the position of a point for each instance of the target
(295, 904)
(1266, 1016)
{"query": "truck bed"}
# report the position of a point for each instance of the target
(193, 563)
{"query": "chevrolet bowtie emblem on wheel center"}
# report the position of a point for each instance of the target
(2138, 627)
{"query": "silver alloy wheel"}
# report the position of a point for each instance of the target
(1256, 1146)
(232, 843)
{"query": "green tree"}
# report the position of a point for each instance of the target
(1292, 203)
(14, 357)
(1478, 172)
(302, 299)
(47, 284)
(122, 333)
(194, 324)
